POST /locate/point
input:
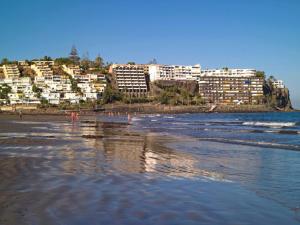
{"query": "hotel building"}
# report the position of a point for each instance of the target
(11, 71)
(130, 79)
(231, 86)
(174, 72)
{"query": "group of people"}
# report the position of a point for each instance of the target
(118, 114)
(74, 116)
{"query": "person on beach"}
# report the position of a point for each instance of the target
(72, 116)
(129, 118)
(20, 114)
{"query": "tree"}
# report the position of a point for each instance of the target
(272, 78)
(74, 85)
(37, 90)
(85, 62)
(4, 91)
(260, 74)
(62, 61)
(99, 62)
(153, 61)
(110, 95)
(47, 58)
(131, 63)
(74, 55)
(44, 102)
(5, 61)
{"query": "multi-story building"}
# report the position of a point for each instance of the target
(42, 69)
(11, 71)
(72, 70)
(231, 86)
(23, 63)
(130, 79)
(21, 91)
(277, 83)
(174, 72)
(43, 62)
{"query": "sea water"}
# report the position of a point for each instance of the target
(158, 169)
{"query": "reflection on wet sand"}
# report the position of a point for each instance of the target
(109, 147)
(104, 173)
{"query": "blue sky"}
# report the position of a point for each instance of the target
(261, 34)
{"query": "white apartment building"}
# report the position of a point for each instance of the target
(277, 83)
(43, 62)
(229, 72)
(11, 71)
(72, 97)
(91, 85)
(72, 70)
(21, 91)
(130, 79)
(19, 85)
(17, 98)
(231, 86)
(42, 69)
(174, 72)
(51, 97)
(23, 63)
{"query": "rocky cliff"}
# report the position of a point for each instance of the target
(277, 98)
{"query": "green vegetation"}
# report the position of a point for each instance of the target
(99, 62)
(177, 93)
(47, 58)
(44, 103)
(111, 95)
(131, 100)
(37, 90)
(4, 91)
(74, 55)
(7, 61)
(62, 61)
(74, 85)
(260, 74)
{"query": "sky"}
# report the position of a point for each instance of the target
(259, 34)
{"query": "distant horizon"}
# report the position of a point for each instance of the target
(263, 35)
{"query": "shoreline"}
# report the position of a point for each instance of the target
(150, 109)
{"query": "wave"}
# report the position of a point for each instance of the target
(169, 117)
(292, 132)
(136, 119)
(254, 143)
(269, 124)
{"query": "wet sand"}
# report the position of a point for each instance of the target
(56, 172)
(43, 158)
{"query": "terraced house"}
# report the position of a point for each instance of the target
(11, 71)
(42, 68)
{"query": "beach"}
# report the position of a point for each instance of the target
(148, 170)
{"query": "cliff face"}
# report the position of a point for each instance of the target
(278, 98)
(176, 92)
(191, 87)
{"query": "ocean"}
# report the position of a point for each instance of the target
(231, 168)
(258, 151)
